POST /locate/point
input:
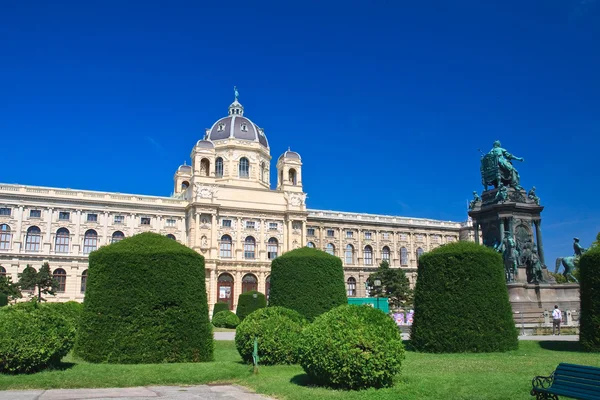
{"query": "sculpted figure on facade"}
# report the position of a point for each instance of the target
(206, 191)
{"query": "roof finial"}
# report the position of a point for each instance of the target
(236, 93)
(288, 148)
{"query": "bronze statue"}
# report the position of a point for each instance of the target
(532, 196)
(497, 168)
(510, 255)
(533, 265)
(476, 199)
(569, 263)
(502, 193)
(577, 248)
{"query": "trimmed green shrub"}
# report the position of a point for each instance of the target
(248, 304)
(32, 339)
(589, 287)
(278, 332)
(3, 300)
(145, 302)
(352, 347)
(220, 307)
(307, 280)
(461, 301)
(71, 310)
(226, 319)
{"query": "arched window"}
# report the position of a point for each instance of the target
(33, 239)
(349, 254)
(225, 247)
(2, 271)
(61, 243)
(117, 236)
(61, 278)
(403, 256)
(5, 237)
(272, 247)
(368, 255)
(330, 249)
(171, 236)
(83, 281)
(184, 186)
(249, 282)
(204, 167)
(310, 244)
(263, 172)
(250, 248)
(419, 252)
(351, 287)
(292, 176)
(385, 254)
(244, 169)
(225, 289)
(219, 167)
(90, 241)
(268, 286)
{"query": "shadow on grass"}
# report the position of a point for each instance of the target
(561, 346)
(302, 380)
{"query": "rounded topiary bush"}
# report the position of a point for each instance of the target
(32, 339)
(226, 319)
(589, 287)
(247, 303)
(71, 310)
(145, 302)
(352, 347)
(307, 280)
(220, 307)
(278, 332)
(461, 302)
(3, 300)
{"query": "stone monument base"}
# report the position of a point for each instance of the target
(532, 306)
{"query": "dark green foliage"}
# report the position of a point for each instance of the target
(248, 304)
(394, 285)
(307, 280)
(352, 347)
(220, 307)
(41, 281)
(9, 289)
(145, 302)
(226, 319)
(278, 332)
(71, 310)
(589, 287)
(33, 338)
(3, 299)
(461, 301)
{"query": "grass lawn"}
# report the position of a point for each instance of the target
(222, 329)
(424, 376)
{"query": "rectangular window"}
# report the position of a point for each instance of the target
(272, 226)
(419, 237)
(170, 222)
(296, 225)
(145, 221)
(349, 234)
(330, 232)
(64, 215)
(403, 237)
(119, 219)
(35, 214)
(92, 218)
(368, 235)
(310, 231)
(435, 239)
(385, 236)
(5, 211)
(226, 223)
(250, 225)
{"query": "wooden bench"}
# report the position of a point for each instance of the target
(569, 380)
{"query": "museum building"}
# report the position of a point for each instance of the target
(224, 208)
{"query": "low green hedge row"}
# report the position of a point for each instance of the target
(225, 319)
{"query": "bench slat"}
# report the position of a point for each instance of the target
(576, 381)
(571, 392)
(578, 366)
(568, 369)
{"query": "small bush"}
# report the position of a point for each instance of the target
(352, 347)
(307, 280)
(33, 339)
(71, 310)
(220, 307)
(248, 304)
(278, 332)
(225, 319)
(3, 300)
(589, 286)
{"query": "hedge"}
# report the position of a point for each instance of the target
(3, 300)
(461, 301)
(220, 307)
(277, 330)
(248, 304)
(71, 310)
(352, 347)
(589, 287)
(226, 319)
(145, 302)
(307, 280)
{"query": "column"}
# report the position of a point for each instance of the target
(195, 237)
(77, 242)
(538, 236)
(342, 247)
(501, 230)
(476, 229)
(239, 247)
(303, 234)
(17, 240)
(105, 228)
(511, 226)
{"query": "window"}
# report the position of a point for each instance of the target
(92, 218)
(117, 236)
(292, 176)
(83, 281)
(244, 128)
(419, 237)
(145, 221)
(403, 256)
(368, 235)
(226, 223)
(225, 289)
(119, 219)
(385, 236)
(330, 232)
(385, 254)
(310, 232)
(296, 225)
(225, 247)
(170, 222)
(349, 254)
(171, 236)
(64, 215)
(310, 245)
(273, 226)
(351, 287)
(249, 248)
(35, 213)
(263, 172)
(205, 167)
(5, 237)
(450, 239)
(61, 278)
(2, 271)
(220, 127)
(90, 241)
(244, 168)
(349, 234)
(368, 255)
(61, 243)
(419, 252)
(219, 167)
(250, 225)
(249, 283)
(435, 239)
(5, 211)
(272, 247)
(330, 249)
(404, 237)
(33, 239)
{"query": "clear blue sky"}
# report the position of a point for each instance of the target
(386, 101)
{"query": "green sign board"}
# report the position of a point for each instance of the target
(375, 302)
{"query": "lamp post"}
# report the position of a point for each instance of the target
(377, 285)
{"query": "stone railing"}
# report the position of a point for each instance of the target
(386, 219)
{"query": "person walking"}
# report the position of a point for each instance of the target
(556, 319)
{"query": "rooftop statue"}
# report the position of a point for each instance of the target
(497, 168)
(532, 196)
(475, 201)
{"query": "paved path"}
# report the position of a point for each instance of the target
(224, 335)
(219, 392)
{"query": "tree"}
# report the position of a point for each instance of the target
(30, 279)
(394, 285)
(9, 288)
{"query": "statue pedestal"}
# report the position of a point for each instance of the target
(532, 305)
